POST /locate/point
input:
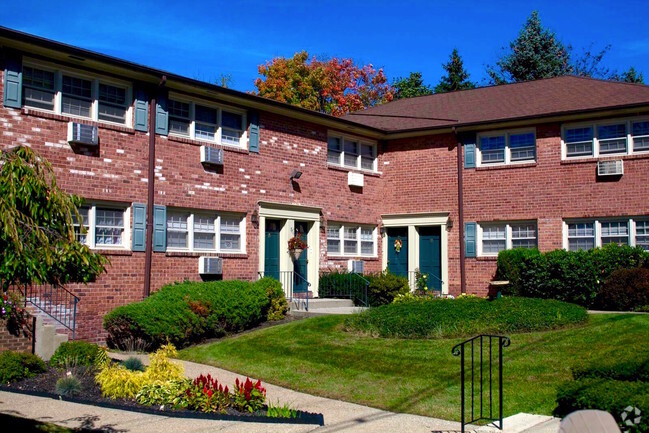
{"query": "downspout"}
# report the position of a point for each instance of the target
(460, 205)
(150, 190)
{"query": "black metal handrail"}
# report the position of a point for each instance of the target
(288, 280)
(469, 348)
(56, 301)
(350, 285)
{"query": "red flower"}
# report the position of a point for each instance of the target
(209, 393)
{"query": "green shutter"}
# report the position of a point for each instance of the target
(159, 228)
(253, 145)
(141, 106)
(139, 227)
(161, 115)
(468, 140)
(13, 80)
(470, 240)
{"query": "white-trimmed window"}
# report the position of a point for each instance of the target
(76, 94)
(201, 231)
(587, 234)
(207, 122)
(495, 237)
(506, 147)
(351, 152)
(351, 240)
(611, 137)
(104, 226)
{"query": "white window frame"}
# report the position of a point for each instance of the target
(191, 214)
(597, 227)
(627, 121)
(243, 141)
(341, 238)
(508, 234)
(360, 141)
(340, 241)
(508, 152)
(95, 79)
(91, 225)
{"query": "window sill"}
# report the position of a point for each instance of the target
(65, 118)
(195, 142)
(331, 166)
(594, 160)
(206, 253)
(112, 251)
(507, 166)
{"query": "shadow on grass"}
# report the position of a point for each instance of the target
(12, 423)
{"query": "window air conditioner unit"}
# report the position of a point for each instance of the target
(355, 179)
(80, 133)
(211, 155)
(210, 265)
(610, 168)
(357, 266)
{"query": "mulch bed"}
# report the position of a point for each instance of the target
(44, 385)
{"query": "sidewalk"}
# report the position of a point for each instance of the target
(339, 416)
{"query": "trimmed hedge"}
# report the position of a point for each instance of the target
(189, 312)
(632, 370)
(570, 276)
(446, 318)
(625, 290)
(18, 365)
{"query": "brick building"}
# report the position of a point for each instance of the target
(441, 183)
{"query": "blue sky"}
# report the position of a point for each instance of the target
(204, 39)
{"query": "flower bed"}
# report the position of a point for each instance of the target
(160, 388)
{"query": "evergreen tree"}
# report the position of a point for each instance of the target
(411, 86)
(630, 76)
(456, 78)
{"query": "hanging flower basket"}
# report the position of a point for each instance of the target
(296, 246)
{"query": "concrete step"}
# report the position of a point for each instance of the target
(326, 311)
(326, 303)
(524, 423)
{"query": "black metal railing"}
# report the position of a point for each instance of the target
(56, 301)
(432, 279)
(289, 280)
(478, 355)
(344, 285)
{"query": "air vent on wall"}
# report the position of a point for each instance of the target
(210, 265)
(211, 155)
(80, 133)
(355, 179)
(610, 168)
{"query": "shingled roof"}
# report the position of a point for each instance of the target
(547, 97)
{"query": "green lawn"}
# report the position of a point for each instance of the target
(418, 376)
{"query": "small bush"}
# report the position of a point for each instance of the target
(277, 305)
(249, 396)
(509, 267)
(625, 290)
(74, 353)
(68, 386)
(134, 364)
(171, 392)
(446, 318)
(384, 287)
(188, 312)
(205, 394)
(612, 396)
(17, 365)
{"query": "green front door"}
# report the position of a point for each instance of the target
(271, 249)
(430, 255)
(300, 265)
(398, 260)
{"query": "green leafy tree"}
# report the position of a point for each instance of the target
(536, 53)
(410, 86)
(456, 78)
(630, 76)
(37, 241)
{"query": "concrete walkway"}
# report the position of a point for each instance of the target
(338, 416)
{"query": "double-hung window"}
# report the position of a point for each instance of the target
(351, 153)
(587, 234)
(579, 141)
(615, 232)
(640, 136)
(76, 94)
(81, 226)
(207, 123)
(102, 226)
(642, 234)
(351, 240)
(611, 137)
(204, 232)
(506, 147)
(495, 237)
(581, 236)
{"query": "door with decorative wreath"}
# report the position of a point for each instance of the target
(398, 251)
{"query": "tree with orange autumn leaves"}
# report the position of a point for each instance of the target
(334, 86)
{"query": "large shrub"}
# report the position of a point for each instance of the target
(17, 365)
(625, 290)
(384, 287)
(571, 276)
(445, 318)
(633, 369)
(75, 353)
(185, 313)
